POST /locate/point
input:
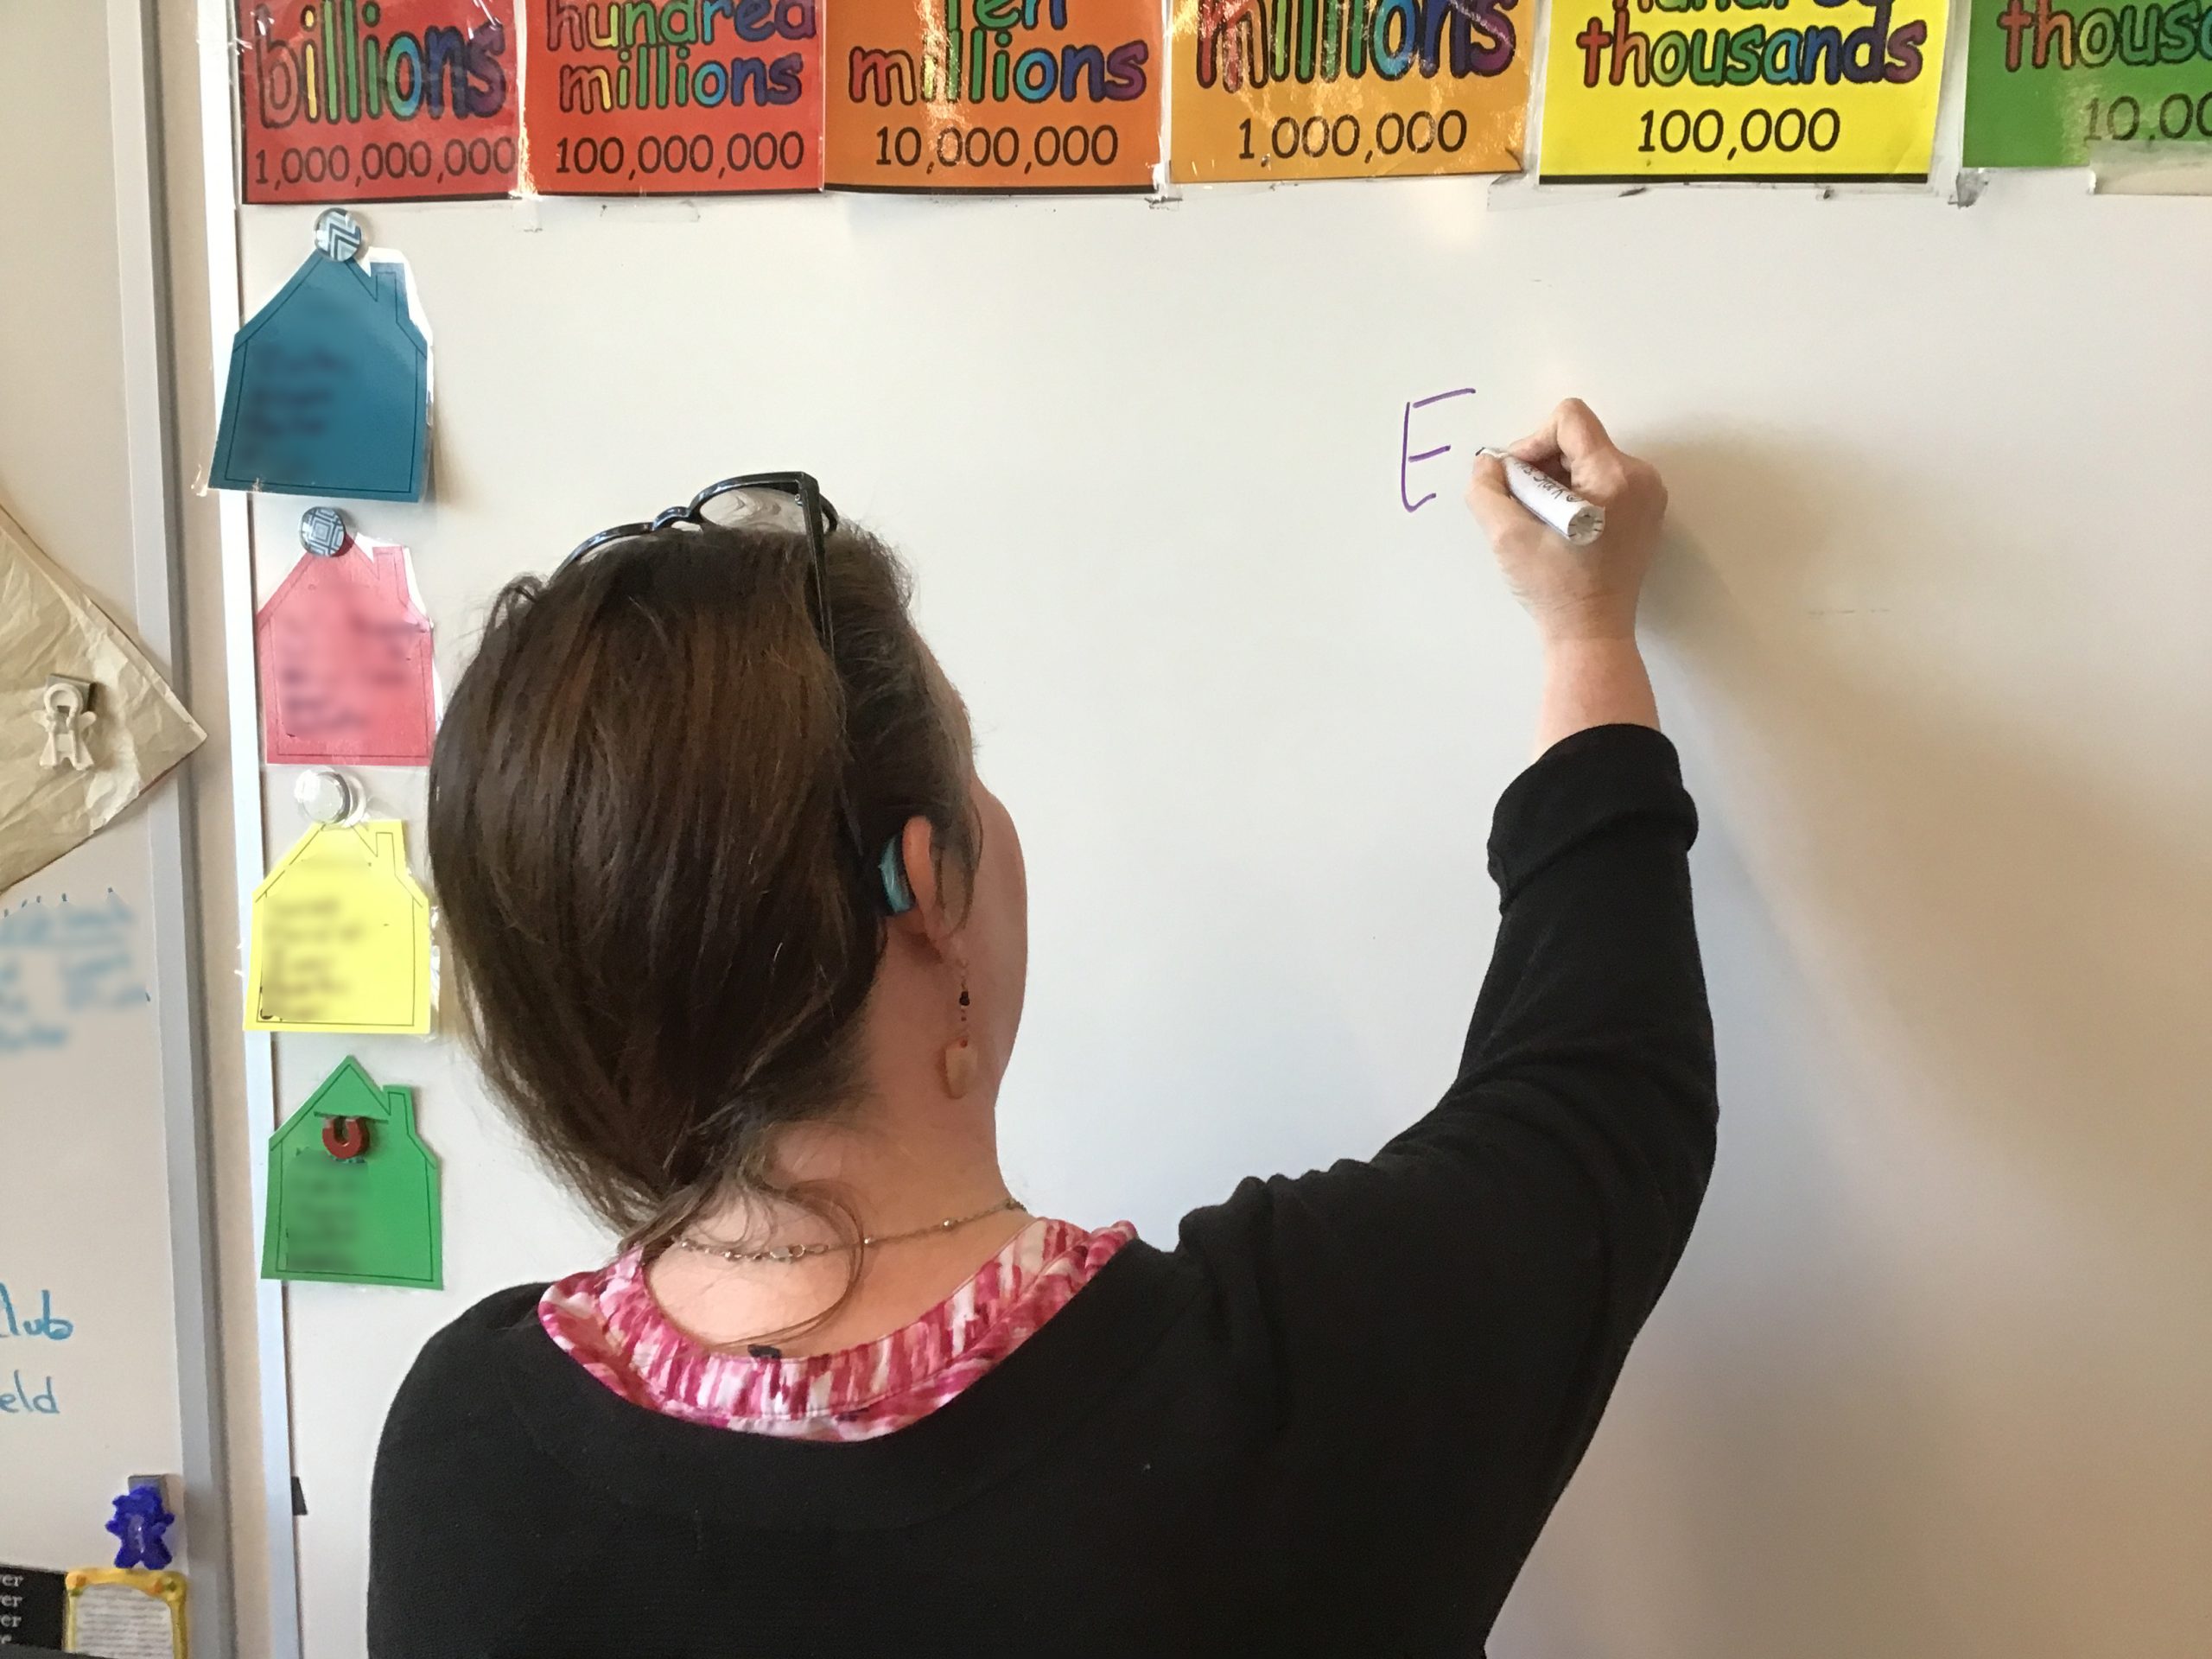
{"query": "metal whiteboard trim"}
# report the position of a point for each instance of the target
(149, 433)
(272, 1371)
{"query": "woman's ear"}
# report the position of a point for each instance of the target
(917, 852)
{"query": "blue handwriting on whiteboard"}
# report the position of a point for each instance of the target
(39, 1404)
(61, 961)
(44, 1323)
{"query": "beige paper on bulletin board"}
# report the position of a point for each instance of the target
(49, 625)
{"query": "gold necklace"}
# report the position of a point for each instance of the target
(800, 1252)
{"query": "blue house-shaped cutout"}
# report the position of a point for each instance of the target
(329, 391)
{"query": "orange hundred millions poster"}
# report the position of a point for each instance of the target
(673, 97)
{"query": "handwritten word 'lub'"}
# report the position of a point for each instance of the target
(45, 1323)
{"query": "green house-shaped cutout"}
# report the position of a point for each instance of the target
(367, 1220)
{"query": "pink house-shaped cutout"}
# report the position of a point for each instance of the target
(347, 673)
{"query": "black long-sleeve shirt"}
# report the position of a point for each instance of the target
(1330, 1420)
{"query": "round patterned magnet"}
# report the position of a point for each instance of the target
(322, 532)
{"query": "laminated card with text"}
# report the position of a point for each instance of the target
(377, 100)
(353, 1191)
(995, 95)
(341, 936)
(673, 97)
(1840, 91)
(347, 673)
(2071, 85)
(1337, 89)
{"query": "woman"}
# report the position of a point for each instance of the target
(743, 942)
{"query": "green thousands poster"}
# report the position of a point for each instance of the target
(2052, 85)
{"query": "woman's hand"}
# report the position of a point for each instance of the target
(1574, 592)
(1583, 599)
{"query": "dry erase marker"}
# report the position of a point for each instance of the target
(1578, 520)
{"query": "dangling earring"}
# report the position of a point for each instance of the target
(959, 1056)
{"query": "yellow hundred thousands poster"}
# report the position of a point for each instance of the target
(1760, 90)
(1339, 89)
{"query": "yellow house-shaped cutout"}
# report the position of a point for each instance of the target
(341, 936)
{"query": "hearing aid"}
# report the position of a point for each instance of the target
(891, 870)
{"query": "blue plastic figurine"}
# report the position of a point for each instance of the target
(140, 1521)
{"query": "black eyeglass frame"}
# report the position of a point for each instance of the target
(822, 522)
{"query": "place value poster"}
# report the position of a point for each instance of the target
(673, 97)
(1339, 89)
(1756, 90)
(994, 95)
(2052, 86)
(377, 100)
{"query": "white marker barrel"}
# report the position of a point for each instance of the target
(1580, 521)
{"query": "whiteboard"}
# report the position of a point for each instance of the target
(1932, 633)
(106, 1369)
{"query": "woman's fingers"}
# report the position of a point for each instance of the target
(1573, 593)
(1507, 523)
(1572, 445)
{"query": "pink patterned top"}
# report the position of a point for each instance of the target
(609, 1322)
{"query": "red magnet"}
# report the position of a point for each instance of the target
(346, 1138)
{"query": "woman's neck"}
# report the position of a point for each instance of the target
(892, 1180)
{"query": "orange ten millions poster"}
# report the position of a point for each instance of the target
(944, 95)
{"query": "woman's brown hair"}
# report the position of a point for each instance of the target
(663, 935)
